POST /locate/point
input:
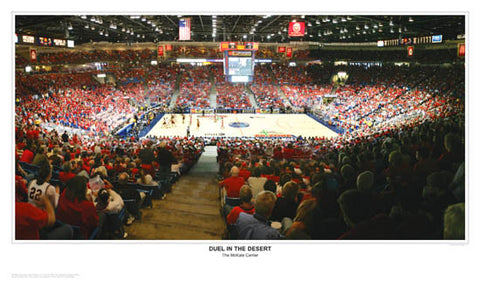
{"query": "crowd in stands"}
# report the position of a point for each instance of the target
(69, 57)
(396, 173)
(97, 110)
(232, 96)
(386, 55)
(285, 74)
(301, 54)
(229, 95)
(378, 99)
(82, 187)
(399, 183)
(265, 90)
(195, 87)
(160, 82)
(195, 52)
(306, 95)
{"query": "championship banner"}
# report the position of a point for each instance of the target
(410, 51)
(289, 52)
(33, 55)
(296, 29)
(168, 47)
(160, 51)
(184, 29)
(461, 49)
(281, 49)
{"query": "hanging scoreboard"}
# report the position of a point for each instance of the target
(238, 61)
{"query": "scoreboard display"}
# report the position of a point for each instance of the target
(239, 61)
(240, 66)
(238, 46)
(409, 41)
(45, 41)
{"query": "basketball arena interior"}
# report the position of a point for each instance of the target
(215, 127)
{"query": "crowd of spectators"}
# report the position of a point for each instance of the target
(69, 57)
(195, 86)
(306, 95)
(400, 176)
(395, 184)
(195, 52)
(86, 179)
(377, 99)
(396, 173)
(265, 89)
(229, 95)
(232, 96)
(291, 75)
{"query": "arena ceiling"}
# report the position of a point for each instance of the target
(258, 28)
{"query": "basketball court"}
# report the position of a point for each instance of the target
(241, 125)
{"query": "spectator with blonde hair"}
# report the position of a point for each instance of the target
(303, 222)
(257, 226)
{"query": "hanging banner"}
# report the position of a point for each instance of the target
(33, 55)
(184, 29)
(160, 51)
(410, 51)
(289, 52)
(296, 29)
(281, 49)
(168, 47)
(461, 50)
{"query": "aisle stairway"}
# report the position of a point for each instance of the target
(251, 96)
(176, 91)
(190, 212)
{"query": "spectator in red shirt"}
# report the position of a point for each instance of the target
(34, 223)
(28, 153)
(246, 205)
(30, 219)
(76, 209)
(66, 174)
(244, 172)
(233, 184)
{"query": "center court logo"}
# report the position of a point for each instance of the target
(239, 125)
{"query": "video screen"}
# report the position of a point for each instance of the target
(240, 66)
